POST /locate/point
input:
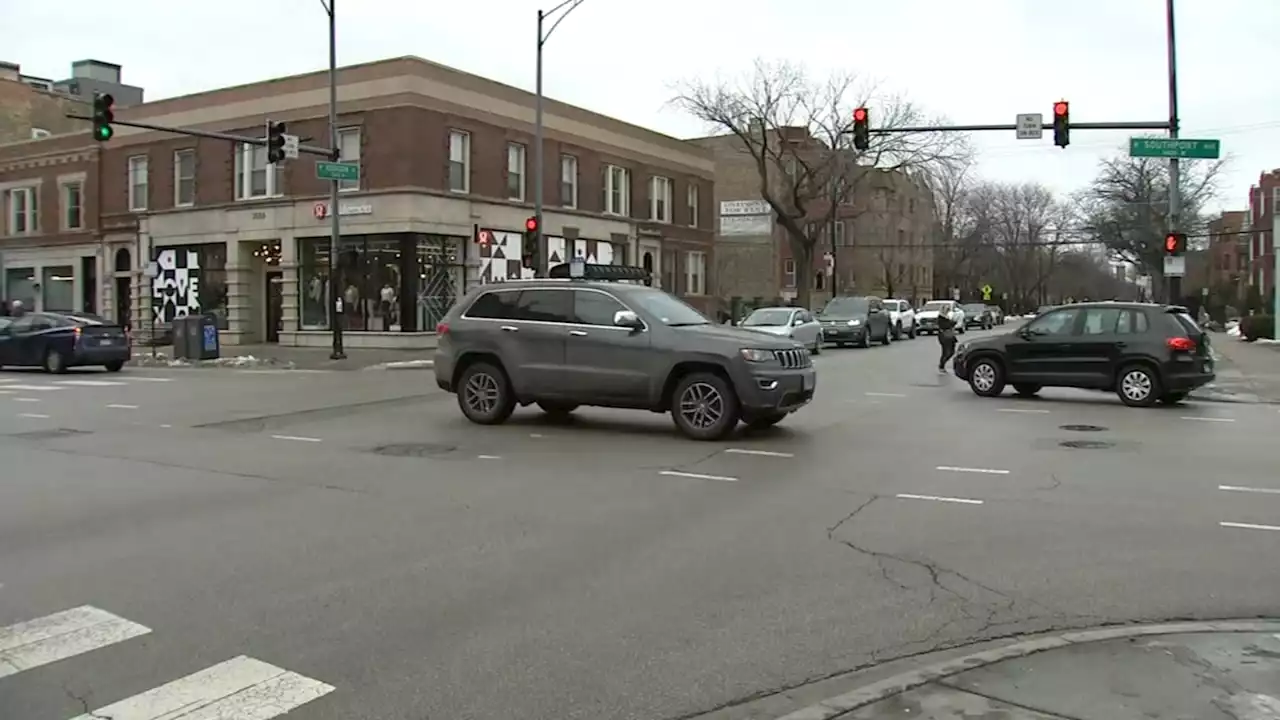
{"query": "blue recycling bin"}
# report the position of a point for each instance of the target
(205, 344)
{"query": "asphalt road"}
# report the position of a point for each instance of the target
(346, 545)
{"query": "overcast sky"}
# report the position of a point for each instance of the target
(978, 61)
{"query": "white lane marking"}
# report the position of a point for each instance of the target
(90, 383)
(1249, 526)
(166, 426)
(147, 378)
(1206, 419)
(1023, 410)
(938, 498)
(535, 435)
(241, 688)
(120, 406)
(296, 438)
(1238, 488)
(761, 453)
(62, 635)
(880, 394)
(6, 392)
(698, 476)
(488, 457)
(37, 416)
(33, 388)
(26, 399)
(984, 471)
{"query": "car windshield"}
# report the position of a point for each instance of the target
(974, 308)
(843, 306)
(668, 309)
(771, 317)
(935, 307)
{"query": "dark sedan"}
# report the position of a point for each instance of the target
(57, 341)
(977, 315)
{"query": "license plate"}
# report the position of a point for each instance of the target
(808, 382)
(106, 341)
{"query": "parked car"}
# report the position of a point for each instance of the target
(795, 323)
(902, 318)
(1144, 353)
(977, 315)
(927, 316)
(850, 320)
(997, 314)
(591, 341)
(58, 341)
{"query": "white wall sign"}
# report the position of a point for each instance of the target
(731, 225)
(175, 289)
(1175, 265)
(321, 210)
(745, 207)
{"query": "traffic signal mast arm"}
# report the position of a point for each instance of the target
(1153, 125)
(329, 153)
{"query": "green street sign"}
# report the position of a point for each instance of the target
(337, 171)
(1175, 148)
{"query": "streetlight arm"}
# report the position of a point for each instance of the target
(571, 5)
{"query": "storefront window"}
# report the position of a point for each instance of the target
(313, 283)
(210, 276)
(20, 284)
(439, 275)
(57, 288)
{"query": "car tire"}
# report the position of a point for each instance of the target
(1173, 398)
(888, 336)
(817, 347)
(986, 377)
(897, 331)
(484, 394)
(911, 334)
(1138, 386)
(114, 366)
(1026, 389)
(557, 410)
(54, 362)
(763, 422)
(704, 406)
(865, 342)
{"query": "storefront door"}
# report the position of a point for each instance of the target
(275, 305)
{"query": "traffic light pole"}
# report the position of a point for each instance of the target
(309, 149)
(540, 258)
(335, 230)
(1175, 194)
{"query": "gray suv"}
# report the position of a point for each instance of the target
(565, 343)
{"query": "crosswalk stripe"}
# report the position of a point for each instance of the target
(90, 383)
(147, 378)
(62, 635)
(240, 688)
(32, 387)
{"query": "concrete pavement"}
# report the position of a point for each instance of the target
(1250, 371)
(355, 536)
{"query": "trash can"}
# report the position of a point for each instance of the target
(182, 349)
(204, 341)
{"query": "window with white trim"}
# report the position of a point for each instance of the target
(23, 210)
(838, 240)
(255, 177)
(515, 171)
(660, 199)
(1275, 198)
(569, 181)
(692, 198)
(695, 273)
(349, 152)
(617, 191)
(459, 161)
(789, 272)
(138, 183)
(184, 178)
(73, 206)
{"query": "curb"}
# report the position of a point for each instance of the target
(838, 705)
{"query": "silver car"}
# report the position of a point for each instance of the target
(796, 323)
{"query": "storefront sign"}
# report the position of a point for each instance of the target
(175, 289)
(321, 210)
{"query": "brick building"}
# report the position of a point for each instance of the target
(1263, 200)
(442, 199)
(880, 243)
(33, 107)
(1229, 254)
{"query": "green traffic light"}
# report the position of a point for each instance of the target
(104, 132)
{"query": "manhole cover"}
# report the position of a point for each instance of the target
(414, 449)
(1087, 444)
(49, 434)
(1082, 428)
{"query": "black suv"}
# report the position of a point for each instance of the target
(853, 319)
(1145, 353)
(978, 315)
(565, 343)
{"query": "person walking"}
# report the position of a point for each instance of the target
(946, 339)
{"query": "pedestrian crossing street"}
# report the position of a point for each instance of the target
(242, 687)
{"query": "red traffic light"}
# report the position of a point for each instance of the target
(1170, 243)
(531, 225)
(1060, 108)
(860, 115)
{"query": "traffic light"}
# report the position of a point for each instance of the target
(529, 247)
(103, 117)
(1175, 244)
(1061, 124)
(861, 129)
(275, 142)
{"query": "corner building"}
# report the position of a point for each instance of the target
(181, 224)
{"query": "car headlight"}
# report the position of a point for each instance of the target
(756, 356)
(855, 323)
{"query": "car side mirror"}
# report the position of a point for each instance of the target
(797, 322)
(627, 319)
(1025, 333)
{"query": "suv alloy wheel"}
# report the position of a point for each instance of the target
(986, 378)
(1138, 386)
(484, 394)
(704, 406)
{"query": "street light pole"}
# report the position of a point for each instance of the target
(335, 231)
(1175, 194)
(541, 260)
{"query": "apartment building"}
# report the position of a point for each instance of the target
(152, 226)
(1263, 201)
(1229, 254)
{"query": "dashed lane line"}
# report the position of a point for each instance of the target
(1023, 410)
(33, 416)
(1249, 526)
(149, 378)
(33, 388)
(697, 476)
(90, 383)
(984, 471)
(296, 438)
(885, 394)
(122, 406)
(760, 453)
(26, 399)
(1206, 419)
(1237, 488)
(488, 457)
(939, 498)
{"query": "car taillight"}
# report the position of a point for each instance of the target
(442, 328)
(1181, 344)
(77, 332)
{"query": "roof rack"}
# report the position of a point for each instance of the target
(595, 271)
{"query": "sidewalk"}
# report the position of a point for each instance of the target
(1226, 670)
(292, 358)
(1247, 372)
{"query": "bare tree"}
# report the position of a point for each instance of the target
(961, 221)
(797, 133)
(1027, 231)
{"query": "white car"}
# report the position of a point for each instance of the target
(796, 323)
(927, 316)
(902, 318)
